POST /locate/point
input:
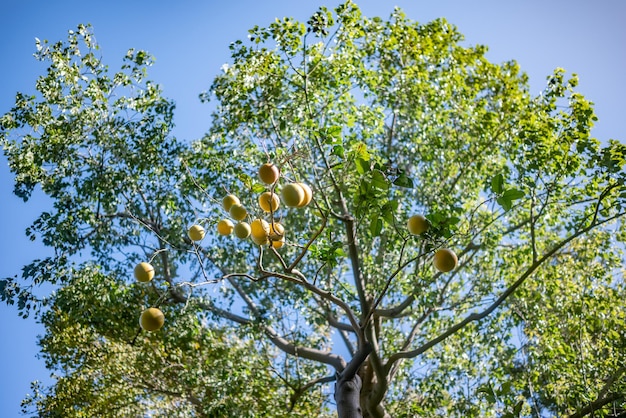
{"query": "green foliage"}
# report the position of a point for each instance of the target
(383, 119)
(186, 370)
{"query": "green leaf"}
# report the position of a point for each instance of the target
(403, 181)
(505, 203)
(497, 183)
(258, 188)
(362, 166)
(513, 194)
(379, 180)
(388, 210)
(339, 151)
(334, 132)
(487, 390)
(505, 200)
(376, 226)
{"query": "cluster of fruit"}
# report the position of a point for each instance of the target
(445, 259)
(262, 232)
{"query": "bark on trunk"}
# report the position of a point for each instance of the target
(347, 396)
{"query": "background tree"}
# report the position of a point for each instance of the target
(384, 120)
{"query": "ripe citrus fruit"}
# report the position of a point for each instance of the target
(144, 272)
(151, 319)
(445, 260)
(196, 233)
(259, 240)
(276, 231)
(225, 227)
(269, 201)
(292, 195)
(259, 228)
(242, 230)
(278, 243)
(417, 224)
(229, 200)
(269, 173)
(238, 212)
(308, 195)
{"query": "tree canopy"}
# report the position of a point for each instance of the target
(383, 120)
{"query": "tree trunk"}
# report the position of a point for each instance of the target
(347, 396)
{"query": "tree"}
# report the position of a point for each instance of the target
(383, 120)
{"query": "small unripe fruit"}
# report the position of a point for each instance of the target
(229, 200)
(196, 233)
(445, 260)
(308, 195)
(242, 230)
(151, 319)
(225, 227)
(268, 173)
(238, 212)
(144, 272)
(292, 195)
(417, 224)
(269, 201)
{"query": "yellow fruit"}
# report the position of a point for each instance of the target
(151, 319)
(277, 231)
(278, 243)
(242, 230)
(196, 233)
(292, 195)
(268, 173)
(269, 201)
(259, 240)
(308, 195)
(144, 272)
(238, 212)
(259, 229)
(229, 200)
(225, 227)
(445, 260)
(417, 224)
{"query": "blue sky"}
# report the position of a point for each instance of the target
(190, 41)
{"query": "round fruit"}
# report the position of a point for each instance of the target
(229, 200)
(308, 195)
(225, 227)
(277, 231)
(151, 319)
(292, 194)
(269, 201)
(196, 233)
(238, 212)
(242, 230)
(268, 173)
(278, 243)
(417, 224)
(144, 272)
(259, 229)
(260, 240)
(445, 260)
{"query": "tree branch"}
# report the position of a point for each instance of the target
(395, 311)
(308, 353)
(508, 292)
(597, 404)
(322, 293)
